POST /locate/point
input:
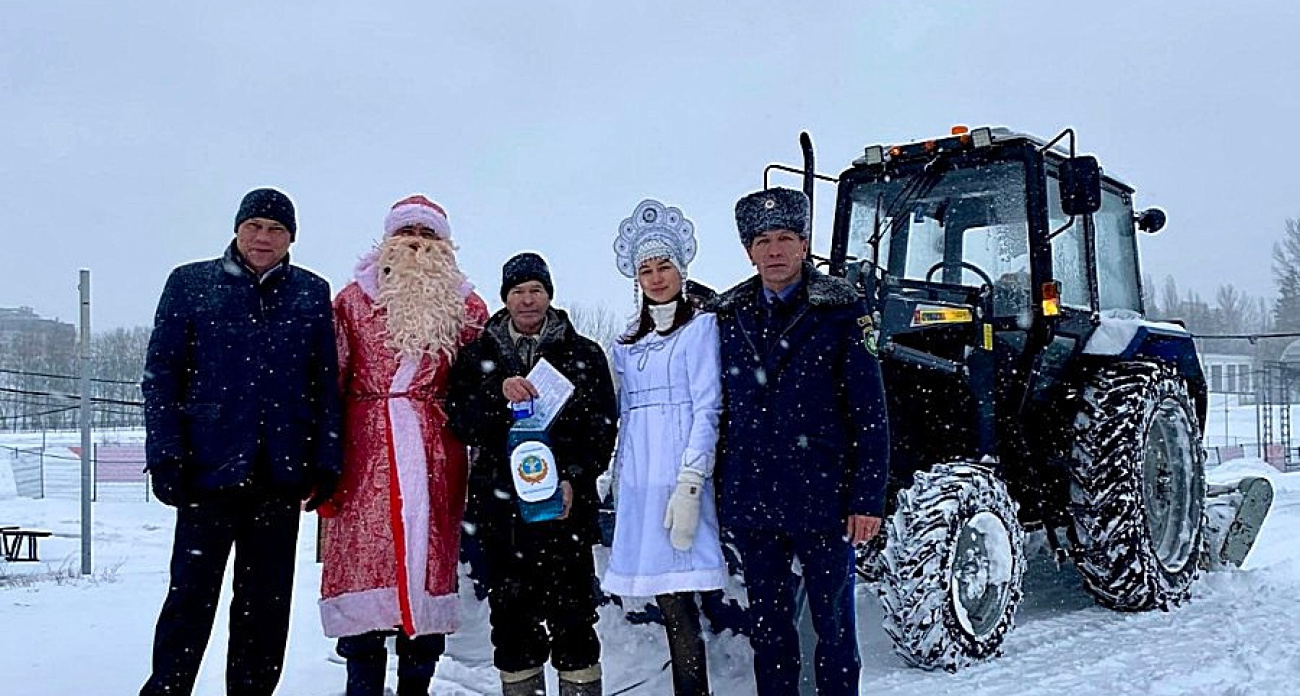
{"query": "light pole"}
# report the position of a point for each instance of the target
(87, 478)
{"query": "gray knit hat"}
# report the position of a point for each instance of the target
(772, 209)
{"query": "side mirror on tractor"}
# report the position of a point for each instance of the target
(1080, 186)
(1151, 220)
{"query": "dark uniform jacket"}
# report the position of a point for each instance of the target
(241, 378)
(581, 437)
(805, 440)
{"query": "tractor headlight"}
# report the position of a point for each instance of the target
(875, 155)
(982, 137)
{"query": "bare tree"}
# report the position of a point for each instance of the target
(1264, 314)
(118, 362)
(1169, 299)
(1286, 277)
(34, 364)
(1233, 307)
(1234, 312)
(1149, 301)
(597, 322)
(41, 375)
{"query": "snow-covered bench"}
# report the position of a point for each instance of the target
(13, 538)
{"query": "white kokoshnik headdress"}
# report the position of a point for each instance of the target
(654, 231)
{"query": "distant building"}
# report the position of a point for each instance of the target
(27, 338)
(1229, 373)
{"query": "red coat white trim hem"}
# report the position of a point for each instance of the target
(361, 612)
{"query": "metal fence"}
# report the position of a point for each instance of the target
(55, 471)
(31, 401)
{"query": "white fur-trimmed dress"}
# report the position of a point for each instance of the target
(670, 399)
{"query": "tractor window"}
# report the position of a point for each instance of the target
(1117, 275)
(861, 225)
(1003, 251)
(1069, 260)
(941, 227)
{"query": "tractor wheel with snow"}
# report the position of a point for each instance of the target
(950, 572)
(1137, 487)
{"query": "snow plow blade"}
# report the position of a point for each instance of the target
(1234, 515)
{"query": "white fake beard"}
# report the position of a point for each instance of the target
(420, 291)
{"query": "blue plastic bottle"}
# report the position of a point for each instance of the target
(533, 467)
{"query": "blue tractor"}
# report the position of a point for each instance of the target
(1027, 391)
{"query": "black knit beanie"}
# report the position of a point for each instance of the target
(270, 204)
(522, 268)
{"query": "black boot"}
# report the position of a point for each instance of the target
(413, 686)
(416, 660)
(366, 677)
(525, 683)
(685, 644)
(581, 682)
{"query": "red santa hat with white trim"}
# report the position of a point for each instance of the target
(417, 210)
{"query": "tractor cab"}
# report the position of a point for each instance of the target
(988, 257)
(999, 221)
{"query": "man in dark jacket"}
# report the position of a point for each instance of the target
(540, 574)
(804, 454)
(242, 418)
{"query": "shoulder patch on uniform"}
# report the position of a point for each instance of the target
(870, 339)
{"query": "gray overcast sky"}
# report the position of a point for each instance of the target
(129, 130)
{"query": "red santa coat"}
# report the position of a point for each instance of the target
(391, 551)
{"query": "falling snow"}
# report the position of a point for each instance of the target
(1238, 635)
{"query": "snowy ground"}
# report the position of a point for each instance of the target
(62, 634)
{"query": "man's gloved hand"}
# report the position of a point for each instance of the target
(325, 485)
(682, 517)
(168, 483)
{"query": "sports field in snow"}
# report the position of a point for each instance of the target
(62, 633)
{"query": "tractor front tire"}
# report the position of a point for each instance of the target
(949, 576)
(1137, 487)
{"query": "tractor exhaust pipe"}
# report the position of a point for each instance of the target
(809, 178)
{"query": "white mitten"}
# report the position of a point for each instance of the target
(683, 514)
